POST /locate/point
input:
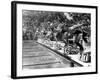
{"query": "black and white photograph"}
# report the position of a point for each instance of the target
(50, 37)
(54, 40)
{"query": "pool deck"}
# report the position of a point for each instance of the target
(74, 58)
